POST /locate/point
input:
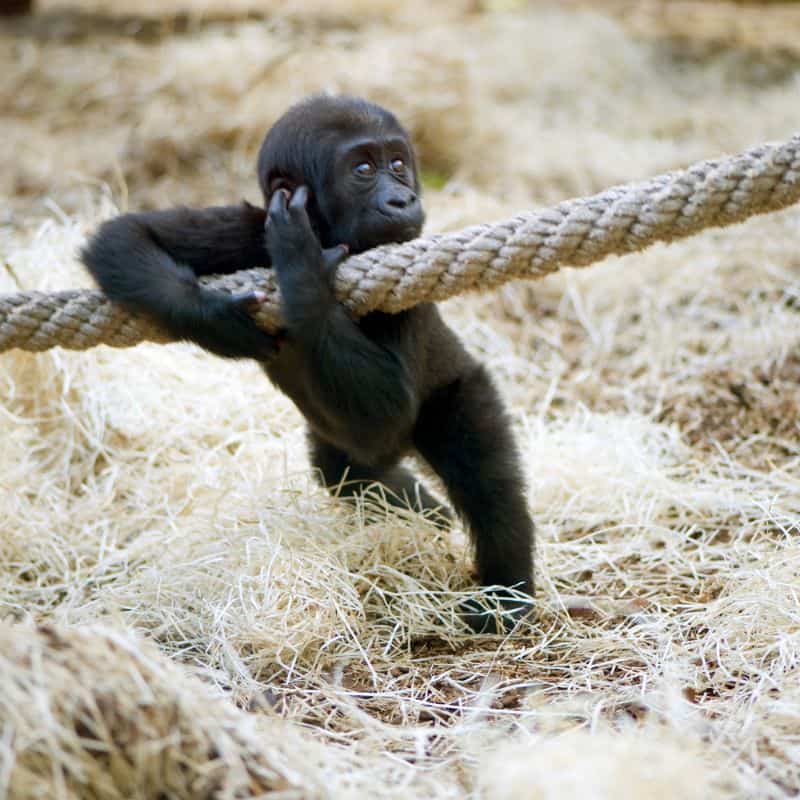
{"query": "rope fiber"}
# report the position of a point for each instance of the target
(391, 278)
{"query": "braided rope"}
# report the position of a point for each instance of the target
(395, 277)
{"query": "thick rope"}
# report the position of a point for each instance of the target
(392, 278)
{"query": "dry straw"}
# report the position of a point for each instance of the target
(167, 496)
(97, 713)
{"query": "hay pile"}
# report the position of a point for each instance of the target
(185, 614)
(93, 713)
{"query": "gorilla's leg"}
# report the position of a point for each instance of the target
(349, 479)
(464, 434)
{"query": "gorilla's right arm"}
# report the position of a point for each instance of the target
(149, 262)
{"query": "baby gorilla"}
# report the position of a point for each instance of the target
(339, 175)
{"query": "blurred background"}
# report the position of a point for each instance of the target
(165, 101)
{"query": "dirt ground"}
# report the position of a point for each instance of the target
(184, 613)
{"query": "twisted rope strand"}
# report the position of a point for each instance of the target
(391, 278)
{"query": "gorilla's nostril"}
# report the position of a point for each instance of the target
(401, 201)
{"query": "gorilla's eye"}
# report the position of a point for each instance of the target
(364, 169)
(398, 166)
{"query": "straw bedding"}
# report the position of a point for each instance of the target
(183, 613)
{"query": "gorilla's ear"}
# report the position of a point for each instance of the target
(281, 183)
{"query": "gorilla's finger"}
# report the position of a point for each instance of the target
(277, 203)
(250, 301)
(299, 198)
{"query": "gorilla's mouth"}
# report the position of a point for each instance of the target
(386, 228)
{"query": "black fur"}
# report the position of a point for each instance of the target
(339, 175)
